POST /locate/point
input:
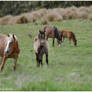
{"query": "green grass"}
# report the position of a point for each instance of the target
(70, 68)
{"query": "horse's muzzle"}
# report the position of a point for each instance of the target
(8, 51)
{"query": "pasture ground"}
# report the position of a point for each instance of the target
(70, 68)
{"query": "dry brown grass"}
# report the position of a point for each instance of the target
(30, 17)
(42, 11)
(18, 20)
(44, 21)
(90, 9)
(84, 9)
(5, 20)
(53, 16)
(46, 15)
(82, 15)
(69, 14)
(73, 8)
(36, 14)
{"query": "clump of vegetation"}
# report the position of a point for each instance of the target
(5, 20)
(48, 15)
(44, 21)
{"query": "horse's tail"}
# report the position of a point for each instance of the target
(74, 39)
(56, 32)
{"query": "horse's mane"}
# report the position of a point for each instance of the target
(74, 36)
(56, 32)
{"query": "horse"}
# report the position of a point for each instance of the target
(8, 49)
(68, 34)
(52, 32)
(40, 48)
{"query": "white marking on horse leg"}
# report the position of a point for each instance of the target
(59, 45)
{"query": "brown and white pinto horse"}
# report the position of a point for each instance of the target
(52, 32)
(68, 34)
(8, 49)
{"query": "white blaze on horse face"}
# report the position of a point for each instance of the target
(7, 46)
(8, 43)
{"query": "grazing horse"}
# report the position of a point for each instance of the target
(68, 34)
(40, 48)
(52, 32)
(8, 49)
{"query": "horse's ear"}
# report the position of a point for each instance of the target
(14, 37)
(39, 31)
(8, 35)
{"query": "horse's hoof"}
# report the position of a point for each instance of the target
(14, 68)
(38, 65)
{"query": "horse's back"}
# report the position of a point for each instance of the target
(49, 31)
(66, 33)
(2, 36)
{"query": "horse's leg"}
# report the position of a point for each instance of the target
(53, 42)
(3, 62)
(63, 38)
(46, 52)
(47, 58)
(15, 62)
(37, 59)
(41, 60)
(69, 41)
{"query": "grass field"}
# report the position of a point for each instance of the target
(70, 68)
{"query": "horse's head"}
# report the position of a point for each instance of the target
(41, 37)
(59, 39)
(12, 43)
(75, 43)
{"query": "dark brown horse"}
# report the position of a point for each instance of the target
(52, 32)
(40, 48)
(8, 49)
(68, 34)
